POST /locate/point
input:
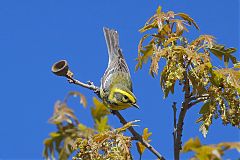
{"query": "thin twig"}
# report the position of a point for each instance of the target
(89, 85)
(136, 135)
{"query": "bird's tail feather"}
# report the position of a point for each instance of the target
(112, 40)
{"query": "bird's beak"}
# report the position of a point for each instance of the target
(136, 106)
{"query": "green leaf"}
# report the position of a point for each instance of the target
(206, 152)
(148, 27)
(237, 65)
(205, 108)
(141, 42)
(216, 78)
(159, 10)
(191, 144)
(147, 52)
(230, 145)
(54, 134)
(140, 147)
(102, 124)
(209, 152)
(199, 119)
(189, 19)
(170, 40)
(99, 110)
(47, 145)
(126, 126)
(219, 51)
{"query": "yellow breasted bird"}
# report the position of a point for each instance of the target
(116, 85)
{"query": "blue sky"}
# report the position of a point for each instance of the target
(35, 34)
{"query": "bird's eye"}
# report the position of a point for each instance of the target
(125, 98)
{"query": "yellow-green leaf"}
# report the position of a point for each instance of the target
(230, 145)
(189, 19)
(159, 10)
(191, 144)
(99, 110)
(54, 134)
(205, 108)
(149, 26)
(102, 124)
(172, 39)
(147, 52)
(206, 153)
(219, 51)
(140, 147)
(126, 126)
(237, 65)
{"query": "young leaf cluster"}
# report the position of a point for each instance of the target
(97, 143)
(191, 61)
(208, 152)
(107, 145)
(59, 144)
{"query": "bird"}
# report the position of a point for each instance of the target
(116, 84)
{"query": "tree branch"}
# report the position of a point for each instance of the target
(201, 99)
(136, 135)
(174, 107)
(184, 108)
(200, 96)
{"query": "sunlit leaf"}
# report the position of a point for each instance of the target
(154, 65)
(237, 65)
(204, 130)
(83, 100)
(220, 51)
(205, 108)
(149, 26)
(170, 14)
(102, 124)
(188, 18)
(147, 52)
(99, 110)
(126, 126)
(141, 41)
(180, 26)
(159, 9)
(54, 134)
(208, 152)
(230, 145)
(62, 113)
(170, 40)
(191, 144)
(140, 147)
(203, 41)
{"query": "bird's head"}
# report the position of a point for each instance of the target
(122, 96)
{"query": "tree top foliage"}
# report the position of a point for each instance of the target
(188, 63)
(219, 88)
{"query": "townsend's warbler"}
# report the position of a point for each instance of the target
(116, 84)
